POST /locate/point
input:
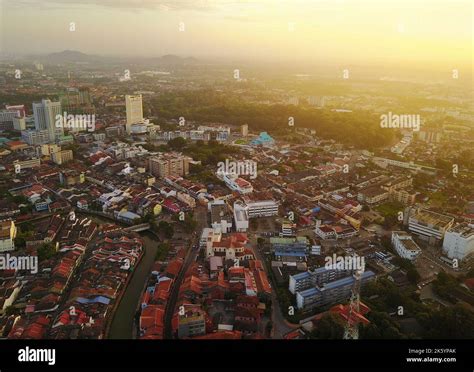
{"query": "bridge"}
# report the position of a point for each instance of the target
(138, 228)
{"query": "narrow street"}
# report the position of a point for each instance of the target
(280, 325)
(191, 254)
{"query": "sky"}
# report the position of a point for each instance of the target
(358, 31)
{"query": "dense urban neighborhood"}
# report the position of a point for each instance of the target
(132, 213)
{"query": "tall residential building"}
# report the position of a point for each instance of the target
(45, 114)
(7, 235)
(458, 241)
(134, 107)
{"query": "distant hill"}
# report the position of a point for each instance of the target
(69, 56)
(72, 56)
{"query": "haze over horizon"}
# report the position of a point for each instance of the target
(417, 32)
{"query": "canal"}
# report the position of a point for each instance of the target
(122, 326)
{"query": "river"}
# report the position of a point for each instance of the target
(122, 326)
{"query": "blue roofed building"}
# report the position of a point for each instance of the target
(329, 294)
(290, 248)
(264, 139)
(317, 277)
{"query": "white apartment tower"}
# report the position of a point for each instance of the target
(45, 113)
(134, 107)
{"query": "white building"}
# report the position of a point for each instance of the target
(7, 235)
(263, 208)
(236, 183)
(45, 113)
(405, 245)
(134, 107)
(458, 241)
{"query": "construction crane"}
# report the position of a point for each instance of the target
(351, 330)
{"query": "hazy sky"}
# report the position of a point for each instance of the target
(421, 31)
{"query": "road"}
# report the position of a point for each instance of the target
(280, 325)
(200, 214)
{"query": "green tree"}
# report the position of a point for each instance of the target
(331, 326)
(46, 251)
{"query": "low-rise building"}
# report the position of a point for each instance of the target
(405, 245)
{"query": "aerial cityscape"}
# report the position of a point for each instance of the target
(212, 176)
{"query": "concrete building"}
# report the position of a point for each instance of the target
(458, 241)
(405, 245)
